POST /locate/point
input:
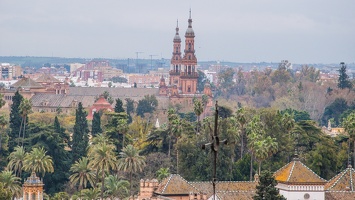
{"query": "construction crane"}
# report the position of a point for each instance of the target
(137, 53)
(151, 61)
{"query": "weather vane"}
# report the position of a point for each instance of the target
(214, 148)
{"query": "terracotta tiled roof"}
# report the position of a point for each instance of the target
(122, 93)
(175, 184)
(60, 100)
(296, 172)
(47, 78)
(344, 181)
(26, 83)
(339, 195)
(102, 101)
(228, 189)
(235, 195)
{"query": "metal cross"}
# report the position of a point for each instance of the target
(214, 148)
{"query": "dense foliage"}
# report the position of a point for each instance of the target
(267, 117)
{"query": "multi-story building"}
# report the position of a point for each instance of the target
(182, 88)
(9, 72)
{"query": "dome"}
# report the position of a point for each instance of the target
(177, 38)
(190, 32)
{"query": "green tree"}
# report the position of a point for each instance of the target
(198, 109)
(80, 136)
(201, 81)
(147, 105)
(81, 173)
(11, 182)
(38, 161)
(16, 159)
(5, 194)
(266, 189)
(255, 130)
(96, 124)
(91, 194)
(119, 106)
(349, 126)
(61, 131)
(130, 161)
(116, 187)
(162, 173)
(24, 109)
(103, 159)
(129, 108)
(51, 137)
(116, 129)
(242, 122)
(343, 80)
(61, 196)
(15, 120)
(334, 110)
(3, 139)
(2, 101)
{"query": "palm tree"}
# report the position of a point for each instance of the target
(162, 173)
(38, 161)
(349, 126)
(16, 159)
(11, 182)
(116, 187)
(241, 120)
(264, 148)
(288, 124)
(254, 132)
(131, 162)
(91, 194)
(82, 174)
(102, 158)
(198, 110)
(24, 108)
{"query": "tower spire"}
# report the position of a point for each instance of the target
(177, 27)
(190, 20)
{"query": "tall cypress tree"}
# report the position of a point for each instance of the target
(266, 188)
(15, 120)
(96, 124)
(80, 135)
(61, 131)
(343, 80)
(119, 106)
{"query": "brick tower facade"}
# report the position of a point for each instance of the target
(176, 61)
(189, 75)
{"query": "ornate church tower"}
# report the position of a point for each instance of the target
(189, 75)
(175, 68)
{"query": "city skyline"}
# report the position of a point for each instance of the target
(236, 31)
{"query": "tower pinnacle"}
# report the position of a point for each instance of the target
(190, 20)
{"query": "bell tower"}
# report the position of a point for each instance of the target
(189, 75)
(175, 67)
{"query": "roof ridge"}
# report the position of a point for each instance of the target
(313, 172)
(293, 166)
(341, 175)
(282, 167)
(188, 182)
(351, 179)
(167, 183)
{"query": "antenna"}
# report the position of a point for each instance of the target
(151, 61)
(137, 53)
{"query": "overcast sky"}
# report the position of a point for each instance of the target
(301, 31)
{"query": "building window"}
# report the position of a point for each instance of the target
(189, 46)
